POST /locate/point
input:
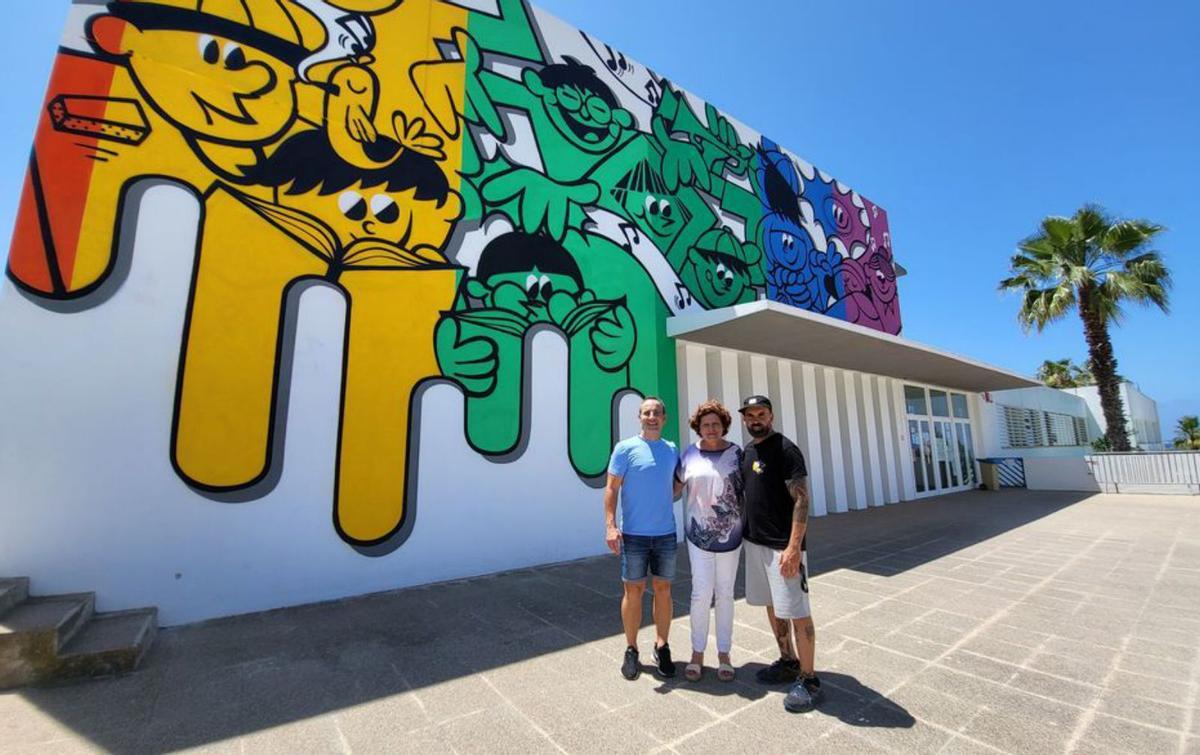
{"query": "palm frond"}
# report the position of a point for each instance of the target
(1041, 307)
(1128, 236)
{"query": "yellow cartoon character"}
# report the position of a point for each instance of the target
(221, 71)
(181, 90)
(376, 235)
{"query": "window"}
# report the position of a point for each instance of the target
(959, 402)
(914, 400)
(937, 399)
(1081, 433)
(1033, 428)
(1060, 429)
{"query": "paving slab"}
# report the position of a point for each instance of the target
(979, 622)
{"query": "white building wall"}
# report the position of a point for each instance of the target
(993, 438)
(89, 501)
(845, 422)
(1141, 415)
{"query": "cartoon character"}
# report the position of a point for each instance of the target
(523, 280)
(870, 279)
(721, 270)
(798, 272)
(377, 236)
(222, 73)
(839, 212)
(185, 91)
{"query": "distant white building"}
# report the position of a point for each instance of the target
(1141, 415)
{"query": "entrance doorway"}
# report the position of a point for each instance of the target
(939, 432)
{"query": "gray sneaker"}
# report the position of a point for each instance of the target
(803, 696)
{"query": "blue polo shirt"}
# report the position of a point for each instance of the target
(647, 472)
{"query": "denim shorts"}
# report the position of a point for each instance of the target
(648, 553)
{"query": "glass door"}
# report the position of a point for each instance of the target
(939, 429)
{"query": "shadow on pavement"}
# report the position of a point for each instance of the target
(216, 681)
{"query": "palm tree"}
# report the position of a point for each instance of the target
(1056, 373)
(1092, 263)
(1189, 433)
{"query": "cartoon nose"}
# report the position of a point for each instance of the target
(369, 227)
(255, 79)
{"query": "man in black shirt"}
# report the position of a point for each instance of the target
(777, 504)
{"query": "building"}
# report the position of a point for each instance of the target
(1141, 415)
(285, 322)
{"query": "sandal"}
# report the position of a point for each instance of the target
(692, 672)
(725, 672)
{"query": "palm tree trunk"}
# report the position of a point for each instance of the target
(1104, 368)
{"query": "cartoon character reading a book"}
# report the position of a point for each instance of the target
(377, 236)
(523, 280)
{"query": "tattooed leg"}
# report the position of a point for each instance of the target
(806, 643)
(782, 629)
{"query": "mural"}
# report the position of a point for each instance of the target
(463, 174)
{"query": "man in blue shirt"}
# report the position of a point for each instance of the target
(643, 472)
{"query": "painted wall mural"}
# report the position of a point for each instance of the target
(464, 175)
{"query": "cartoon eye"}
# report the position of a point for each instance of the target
(209, 49)
(569, 98)
(547, 287)
(721, 269)
(352, 205)
(531, 283)
(235, 57)
(651, 204)
(598, 110)
(384, 208)
(664, 208)
(788, 241)
(840, 217)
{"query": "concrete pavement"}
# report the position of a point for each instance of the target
(979, 622)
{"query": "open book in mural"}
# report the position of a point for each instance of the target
(463, 174)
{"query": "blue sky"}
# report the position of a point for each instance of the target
(968, 122)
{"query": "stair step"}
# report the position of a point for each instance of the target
(13, 590)
(111, 643)
(33, 631)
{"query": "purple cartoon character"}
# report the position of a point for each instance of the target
(869, 280)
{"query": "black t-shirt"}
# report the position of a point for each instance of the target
(767, 467)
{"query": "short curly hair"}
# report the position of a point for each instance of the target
(712, 406)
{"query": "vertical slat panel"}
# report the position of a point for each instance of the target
(696, 364)
(834, 422)
(729, 393)
(854, 435)
(812, 429)
(889, 438)
(874, 458)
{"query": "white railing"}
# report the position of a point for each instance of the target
(1160, 472)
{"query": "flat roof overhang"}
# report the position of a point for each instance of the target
(779, 330)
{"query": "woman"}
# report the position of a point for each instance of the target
(710, 469)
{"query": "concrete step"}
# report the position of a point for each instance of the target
(13, 590)
(33, 631)
(111, 643)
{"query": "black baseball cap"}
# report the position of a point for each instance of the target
(750, 401)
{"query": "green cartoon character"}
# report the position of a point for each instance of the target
(721, 271)
(522, 281)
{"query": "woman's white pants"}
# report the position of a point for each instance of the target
(712, 574)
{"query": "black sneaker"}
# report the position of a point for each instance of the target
(662, 659)
(803, 696)
(781, 671)
(630, 668)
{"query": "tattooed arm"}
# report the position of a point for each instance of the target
(789, 562)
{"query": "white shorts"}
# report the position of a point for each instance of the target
(766, 586)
